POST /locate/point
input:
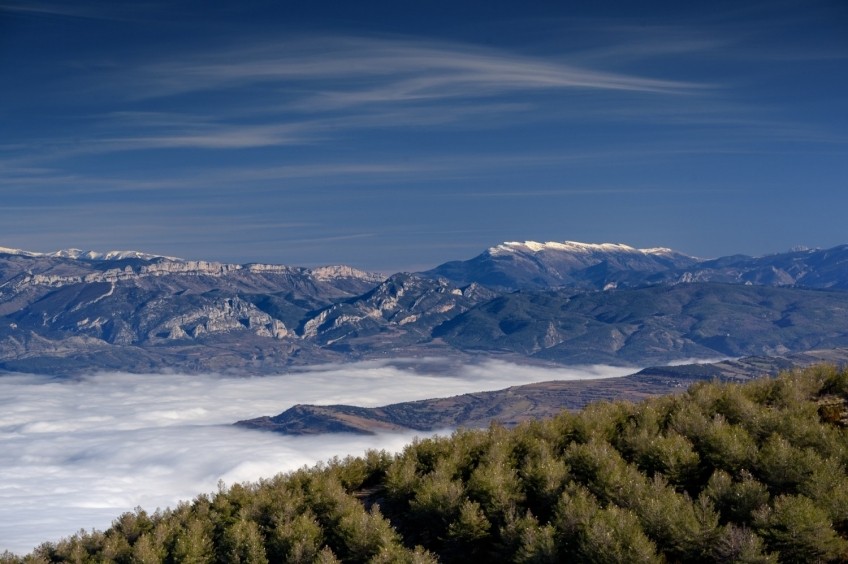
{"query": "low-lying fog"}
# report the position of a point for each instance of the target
(78, 453)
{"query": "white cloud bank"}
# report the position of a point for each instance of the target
(77, 454)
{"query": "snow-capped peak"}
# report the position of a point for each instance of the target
(10, 251)
(573, 247)
(79, 254)
(117, 255)
(73, 254)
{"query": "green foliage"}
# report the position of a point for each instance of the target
(591, 533)
(471, 525)
(543, 475)
(402, 479)
(148, 550)
(495, 483)
(827, 486)
(742, 545)
(602, 421)
(614, 535)
(364, 534)
(784, 466)
(736, 500)
(297, 540)
(538, 545)
(438, 497)
(729, 473)
(727, 446)
(661, 451)
(799, 531)
(193, 542)
(243, 543)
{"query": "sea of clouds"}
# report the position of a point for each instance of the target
(76, 453)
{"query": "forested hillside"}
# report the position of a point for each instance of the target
(750, 472)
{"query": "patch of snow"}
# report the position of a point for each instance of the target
(272, 268)
(117, 255)
(74, 254)
(658, 251)
(574, 247)
(10, 251)
(341, 271)
(79, 254)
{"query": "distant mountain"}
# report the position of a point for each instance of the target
(402, 310)
(653, 325)
(65, 312)
(812, 268)
(532, 265)
(87, 255)
(72, 311)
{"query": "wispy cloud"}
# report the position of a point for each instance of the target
(384, 70)
(229, 128)
(322, 89)
(77, 453)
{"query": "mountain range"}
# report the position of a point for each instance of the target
(531, 265)
(73, 311)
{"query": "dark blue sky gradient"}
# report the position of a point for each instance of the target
(398, 135)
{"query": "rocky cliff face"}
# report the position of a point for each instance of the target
(405, 308)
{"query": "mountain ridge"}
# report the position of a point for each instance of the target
(532, 265)
(517, 404)
(563, 302)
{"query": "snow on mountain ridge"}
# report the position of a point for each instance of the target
(341, 271)
(330, 272)
(574, 247)
(79, 254)
(158, 265)
(117, 255)
(172, 265)
(10, 251)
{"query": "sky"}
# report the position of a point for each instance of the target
(395, 136)
(79, 453)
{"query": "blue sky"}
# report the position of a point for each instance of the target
(398, 135)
